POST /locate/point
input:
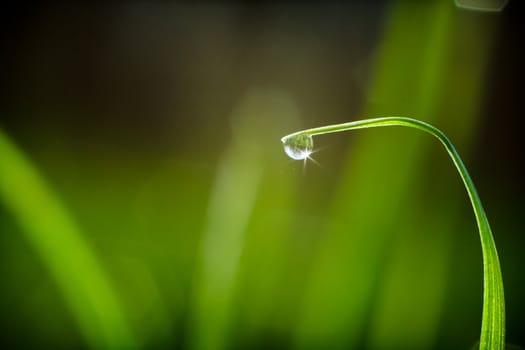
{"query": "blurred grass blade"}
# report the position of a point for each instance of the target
(408, 79)
(230, 208)
(231, 203)
(54, 235)
(241, 211)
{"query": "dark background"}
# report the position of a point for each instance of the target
(141, 116)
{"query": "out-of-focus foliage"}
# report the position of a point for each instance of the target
(154, 132)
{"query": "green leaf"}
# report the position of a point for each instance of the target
(493, 322)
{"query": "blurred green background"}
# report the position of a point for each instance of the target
(146, 202)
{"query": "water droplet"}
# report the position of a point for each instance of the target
(298, 146)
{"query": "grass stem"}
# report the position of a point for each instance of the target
(493, 321)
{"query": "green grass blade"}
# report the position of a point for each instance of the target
(493, 322)
(58, 240)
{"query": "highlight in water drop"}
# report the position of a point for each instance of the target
(298, 146)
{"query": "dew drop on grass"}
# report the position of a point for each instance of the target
(299, 146)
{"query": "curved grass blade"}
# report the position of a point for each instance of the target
(493, 321)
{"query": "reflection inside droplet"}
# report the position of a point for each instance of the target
(299, 146)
